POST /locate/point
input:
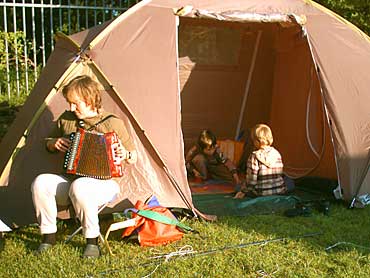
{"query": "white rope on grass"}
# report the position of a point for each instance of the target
(185, 250)
(151, 273)
(348, 243)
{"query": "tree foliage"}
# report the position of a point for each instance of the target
(355, 11)
(15, 64)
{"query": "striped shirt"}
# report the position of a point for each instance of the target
(216, 158)
(264, 172)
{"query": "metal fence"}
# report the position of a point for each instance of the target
(27, 33)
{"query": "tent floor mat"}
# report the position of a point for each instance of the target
(211, 187)
(216, 198)
(226, 205)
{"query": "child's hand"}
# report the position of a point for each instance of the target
(239, 195)
(197, 174)
(58, 144)
(120, 153)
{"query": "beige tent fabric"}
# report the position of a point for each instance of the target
(169, 77)
(346, 82)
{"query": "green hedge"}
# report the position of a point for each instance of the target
(355, 11)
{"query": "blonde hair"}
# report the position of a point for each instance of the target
(261, 135)
(85, 88)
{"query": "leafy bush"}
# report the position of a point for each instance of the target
(355, 11)
(16, 66)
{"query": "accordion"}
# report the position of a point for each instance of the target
(91, 154)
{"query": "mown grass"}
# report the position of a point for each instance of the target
(291, 257)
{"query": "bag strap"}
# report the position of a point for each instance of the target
(98, 123)
(164, 219)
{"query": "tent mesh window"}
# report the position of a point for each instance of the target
(210, 46)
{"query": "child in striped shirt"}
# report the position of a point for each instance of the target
(206, 161)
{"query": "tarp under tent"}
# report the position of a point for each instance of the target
(172, 68)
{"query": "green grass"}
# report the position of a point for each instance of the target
(292, 257)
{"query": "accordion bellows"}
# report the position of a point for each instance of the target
(91, 154)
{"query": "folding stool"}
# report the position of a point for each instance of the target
(101, 208)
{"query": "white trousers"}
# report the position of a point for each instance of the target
(86, 194)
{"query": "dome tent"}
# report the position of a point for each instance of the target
(292, 64)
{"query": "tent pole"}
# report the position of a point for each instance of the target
(179, 99)
(251, 69)
(174, 182)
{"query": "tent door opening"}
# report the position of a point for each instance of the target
(234, 75)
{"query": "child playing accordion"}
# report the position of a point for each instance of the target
(85, 192)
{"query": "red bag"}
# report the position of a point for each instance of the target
(150, 231)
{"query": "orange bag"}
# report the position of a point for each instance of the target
(150, 231)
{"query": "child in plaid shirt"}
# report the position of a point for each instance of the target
(264, 167)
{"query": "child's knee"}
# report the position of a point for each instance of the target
(78, 189)
(200, 160)
(40, 184)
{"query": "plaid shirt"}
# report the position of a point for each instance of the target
(264, 172)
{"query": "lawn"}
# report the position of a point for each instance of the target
(228, 247)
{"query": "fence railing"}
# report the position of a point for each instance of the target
(27, 29)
